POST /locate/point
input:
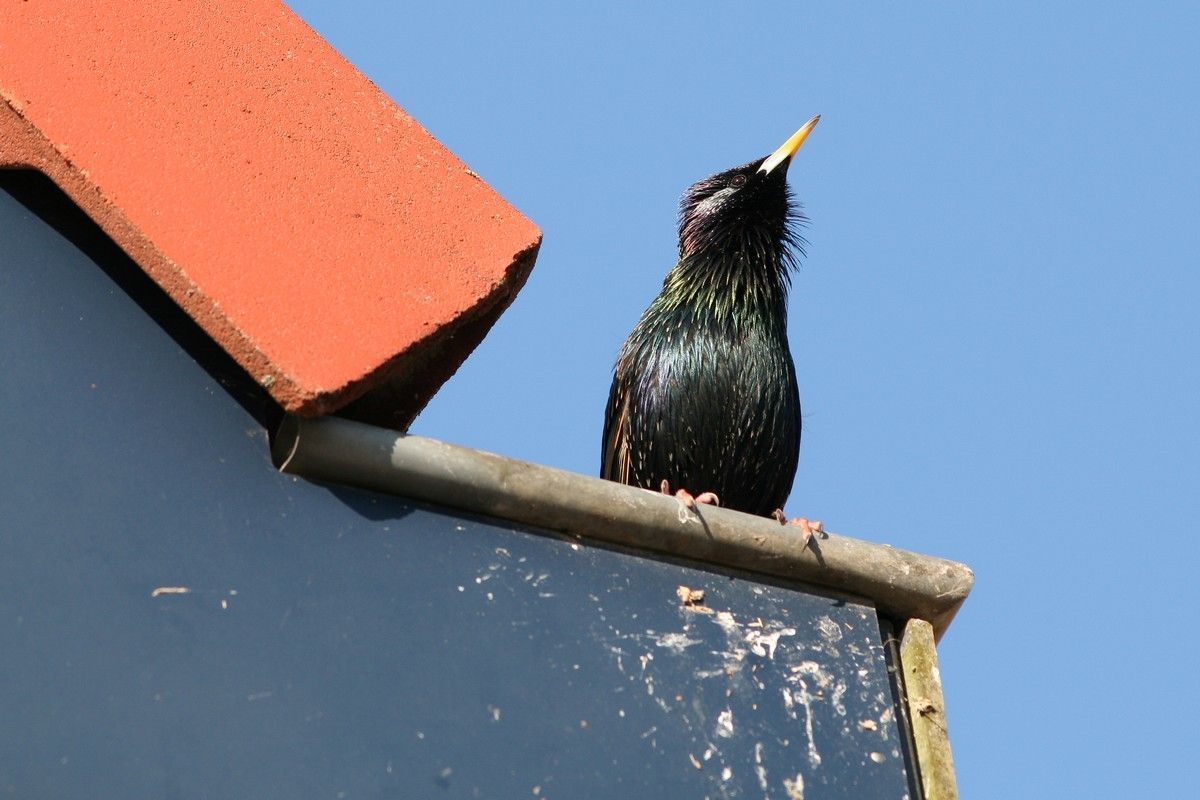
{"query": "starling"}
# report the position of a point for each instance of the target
(704, 395)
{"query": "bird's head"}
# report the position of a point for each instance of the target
(745, 212)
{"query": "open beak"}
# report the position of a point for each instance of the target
(789, 148)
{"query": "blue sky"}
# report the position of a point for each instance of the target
(995, 328)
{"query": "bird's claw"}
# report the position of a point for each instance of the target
(690, 500)
(808, 528)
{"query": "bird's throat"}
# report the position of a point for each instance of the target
(734, 285)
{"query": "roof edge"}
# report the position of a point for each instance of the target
(902, 584)
(320, 235)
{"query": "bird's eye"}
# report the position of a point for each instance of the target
(738, 181)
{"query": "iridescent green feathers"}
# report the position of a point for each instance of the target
(704, 392)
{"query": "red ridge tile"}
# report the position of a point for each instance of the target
(313, 228)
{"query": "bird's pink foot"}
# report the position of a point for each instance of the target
(808, 528)
(690, 500)
(708, 498)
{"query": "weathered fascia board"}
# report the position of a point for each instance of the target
(927, 710)
(902, 584)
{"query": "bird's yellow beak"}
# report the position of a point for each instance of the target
(789, 148)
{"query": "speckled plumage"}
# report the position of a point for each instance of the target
(704, 393)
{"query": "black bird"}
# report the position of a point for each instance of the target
(704, 395)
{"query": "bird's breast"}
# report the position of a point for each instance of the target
(714, 407)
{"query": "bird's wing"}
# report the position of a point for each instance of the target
(614, 464)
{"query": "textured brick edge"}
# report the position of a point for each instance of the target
(52, 121)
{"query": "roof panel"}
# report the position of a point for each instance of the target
(310, 225)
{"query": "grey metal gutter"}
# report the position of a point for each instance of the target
(902, 584)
